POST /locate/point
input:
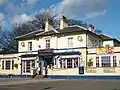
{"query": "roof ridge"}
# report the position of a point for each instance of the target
(29, 33)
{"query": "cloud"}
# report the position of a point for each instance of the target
(80, 8)
(14, 7)
(32, 1)
(22, 18)
(1, 1)
(88, 16)
(1, 17)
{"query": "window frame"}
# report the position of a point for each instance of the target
(106, 61)
(3, 64)
(70, 42)
(114, 61)
(97, 62)
(12, 64)
(47, 43)
(30, 46)
(8, 65)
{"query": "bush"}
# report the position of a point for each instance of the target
(16, 65)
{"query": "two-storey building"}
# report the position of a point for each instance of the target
(67, 50)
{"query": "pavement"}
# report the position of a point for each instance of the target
(59, 84)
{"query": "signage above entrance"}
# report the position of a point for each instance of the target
(46, 52)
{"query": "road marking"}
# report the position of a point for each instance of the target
(92, 82)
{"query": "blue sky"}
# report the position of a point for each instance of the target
(103, 14)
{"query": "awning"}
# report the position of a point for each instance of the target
(52, 54)
(68, 53)
(29, 55)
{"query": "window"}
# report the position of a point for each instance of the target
(114, 61)
(23, 66)
(47, 44)
(106, 61)
(12, 64)
(97, 61)
(30, 46)
(75, 63)
(27, 66)
(2, 65)
(64, 64)
(70, 42)
(69, 63)
(7, 65)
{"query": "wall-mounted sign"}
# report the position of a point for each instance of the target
(80, 38)
(22, 44)
(107, 50)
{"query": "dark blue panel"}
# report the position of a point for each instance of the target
(29, 55)
(68, 53)
(83, 77)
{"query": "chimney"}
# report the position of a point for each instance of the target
(91, 28)
(63, 22)
(48, 25)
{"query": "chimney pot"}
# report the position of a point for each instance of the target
(91, 28)
(48, 25)
(63, 22)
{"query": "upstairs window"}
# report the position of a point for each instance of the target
(29, 46)
(70, 42)
(47, 44)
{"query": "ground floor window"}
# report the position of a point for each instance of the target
(75, 63)
(106, 61)
(27, 66)
(97, 61)
(2, 65)
(7, 64)
(114, 61)
(67, 62)
(12, 64)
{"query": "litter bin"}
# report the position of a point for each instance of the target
(81, 70)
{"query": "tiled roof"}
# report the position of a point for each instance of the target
(70, 29)
(104, 37)
(29, 35)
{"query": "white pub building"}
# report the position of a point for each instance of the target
(65, 51)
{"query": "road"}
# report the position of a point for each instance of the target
(56, 84)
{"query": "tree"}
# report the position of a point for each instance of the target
(7, 41)
(77, 22)
(7, 38)
(36, 24)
